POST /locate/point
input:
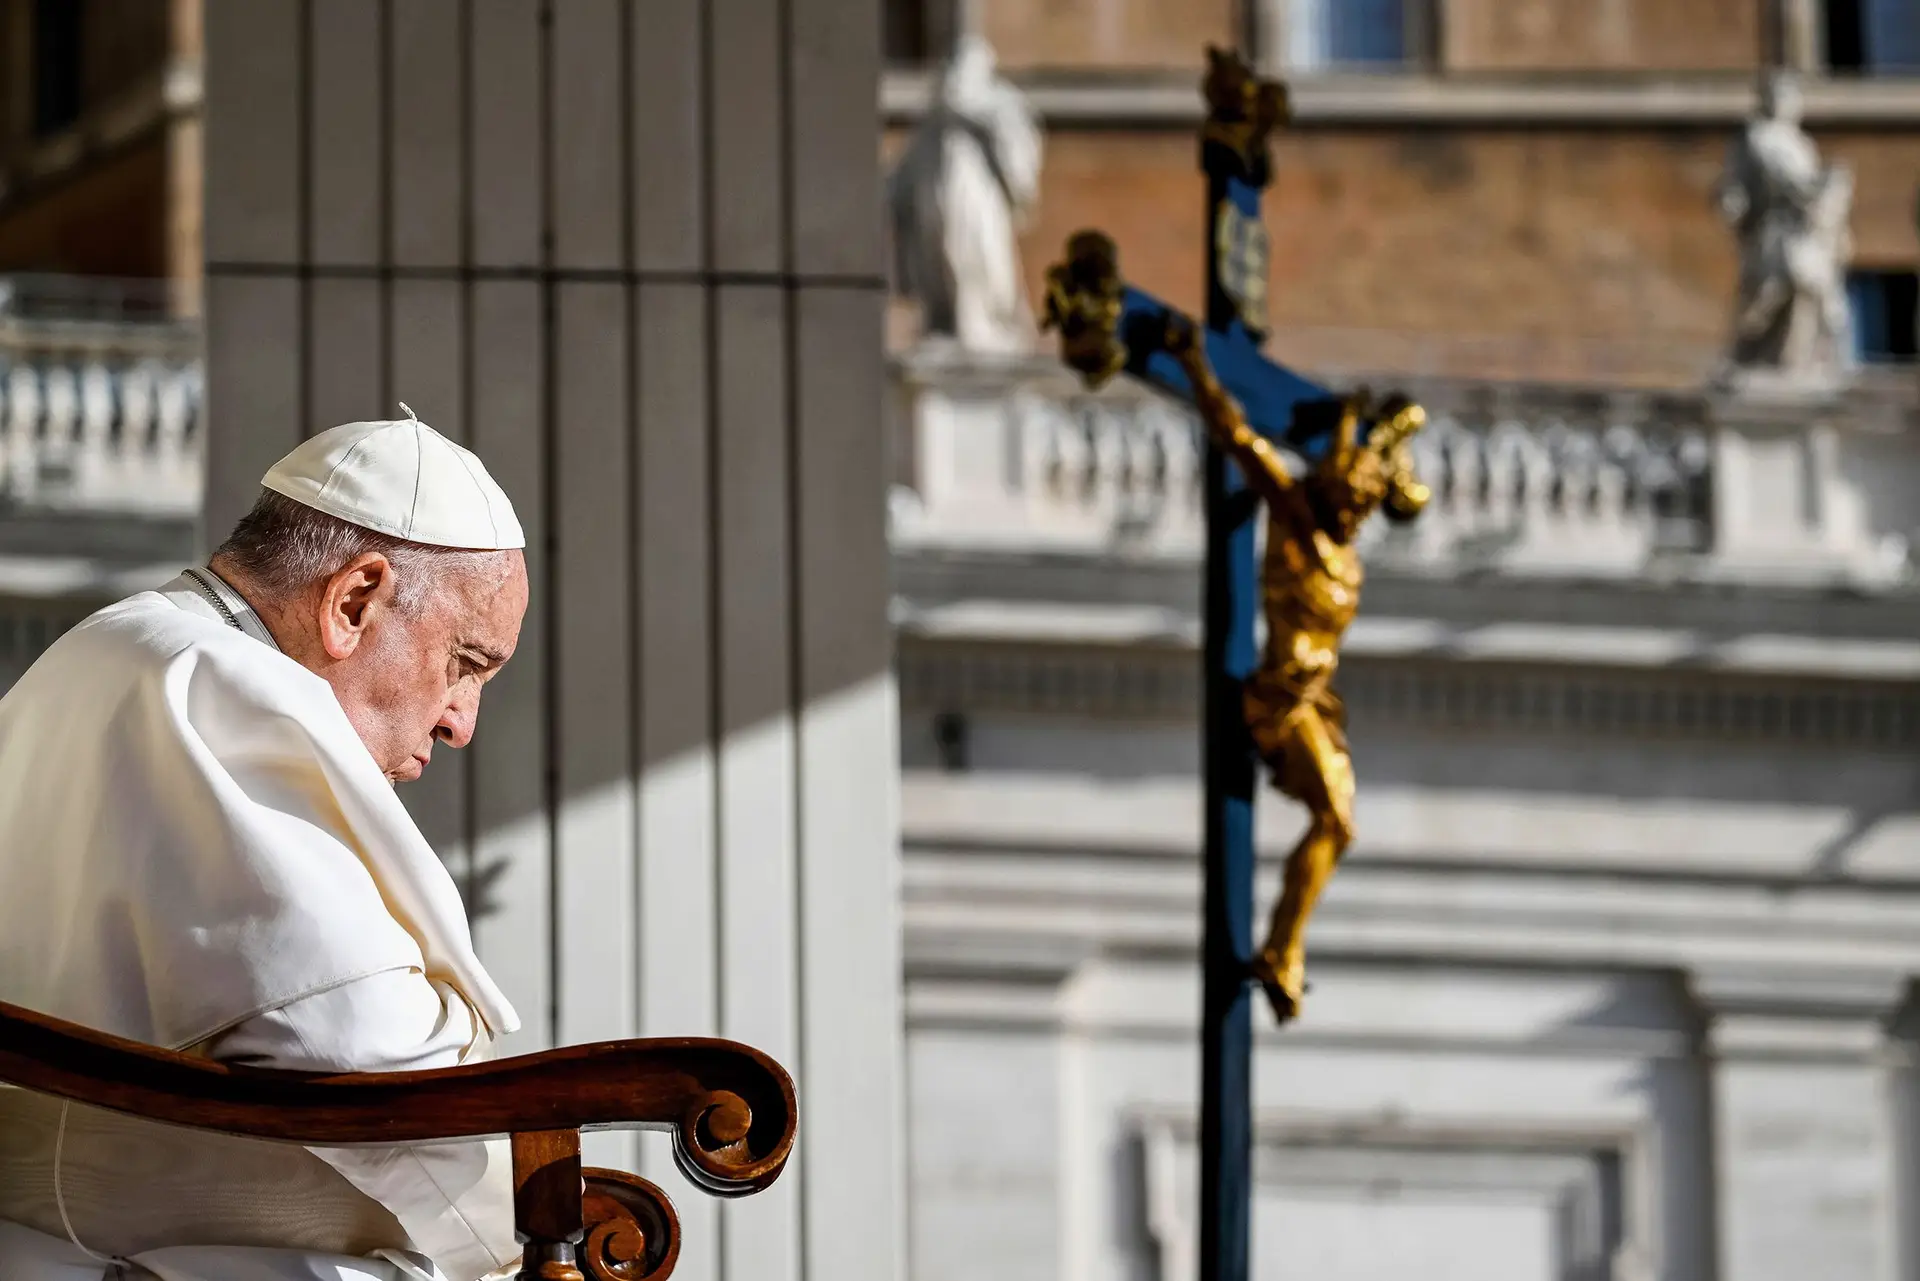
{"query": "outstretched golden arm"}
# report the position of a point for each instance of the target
(1262, 465)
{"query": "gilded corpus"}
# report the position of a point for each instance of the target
(1310, 590)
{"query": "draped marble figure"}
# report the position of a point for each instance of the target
(201, 848)
(1790, 213)
(968, 179)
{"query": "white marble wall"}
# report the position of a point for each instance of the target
(629, 253)
(1433, 1120)
(1587, 1006)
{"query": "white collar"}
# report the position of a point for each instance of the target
(229, 604)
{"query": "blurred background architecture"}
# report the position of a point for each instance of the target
(1618, 980)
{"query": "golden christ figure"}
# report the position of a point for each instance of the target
(1310, 589)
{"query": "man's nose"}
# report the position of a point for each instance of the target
(456, 723)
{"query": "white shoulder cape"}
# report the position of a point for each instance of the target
(191, 833)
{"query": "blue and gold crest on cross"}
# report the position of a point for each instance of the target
(1315, 467)
(1242, 255)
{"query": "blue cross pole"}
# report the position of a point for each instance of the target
(1106, 328)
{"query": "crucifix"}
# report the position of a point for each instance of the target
(1270, 706)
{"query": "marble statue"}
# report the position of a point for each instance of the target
(968, 179)
(1790, 212)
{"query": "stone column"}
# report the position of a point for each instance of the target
(1795, 35)
(1267, 37)
(185, 163)
(629, 252)
(1803, 1125)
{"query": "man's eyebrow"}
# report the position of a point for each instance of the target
(493, 656)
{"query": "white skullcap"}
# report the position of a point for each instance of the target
(401, 478)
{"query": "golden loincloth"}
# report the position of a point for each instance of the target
(1276, 704)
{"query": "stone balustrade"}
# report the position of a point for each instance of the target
(102, 419)
(1526, 478)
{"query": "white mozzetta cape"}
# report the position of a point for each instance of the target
(197, 835)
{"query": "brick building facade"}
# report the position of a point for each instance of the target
(1471, 187)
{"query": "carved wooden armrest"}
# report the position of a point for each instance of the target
(730, 1108)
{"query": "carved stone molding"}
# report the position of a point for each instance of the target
(1174, 101)
(1596, 1183)
(1798, 1016)
(1160, 683)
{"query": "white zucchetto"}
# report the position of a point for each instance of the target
(401, 478)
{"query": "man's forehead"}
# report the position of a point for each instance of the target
(487, 606)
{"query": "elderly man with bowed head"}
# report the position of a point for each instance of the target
(201, 849)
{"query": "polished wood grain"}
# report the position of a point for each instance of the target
(547, 1185)
(587, 1225)
(548, 1193)
(730, 1108)
(632, 1230)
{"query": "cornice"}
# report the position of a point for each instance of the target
(1762, 965)
(927, 578)
(1800, 1015)
(1435, 689)
(1168, 100)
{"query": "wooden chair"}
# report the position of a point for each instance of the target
(730, 1108)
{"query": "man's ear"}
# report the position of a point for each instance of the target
(357, 593)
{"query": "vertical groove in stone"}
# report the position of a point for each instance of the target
(386, 204)
(550, 450)
(512, 796)
(463, 62)
(796, 585)
(715, 735)
(304, 396)
(636, 688)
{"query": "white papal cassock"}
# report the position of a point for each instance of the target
(196, 851)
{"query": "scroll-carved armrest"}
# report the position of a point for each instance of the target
(730, 1108)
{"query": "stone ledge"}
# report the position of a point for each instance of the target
(959, 918)
(1798, 1015)
(1158, 100)
(931, 577)
(1385, 691)
(1100, 628)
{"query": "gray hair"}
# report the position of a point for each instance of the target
(285, 548)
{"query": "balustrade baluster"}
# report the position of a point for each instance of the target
(99, 472)
(1504, 476)
(60, 428)
(138, 411)
(1090, 490)
(23, 431)
(7, 368)
(1161, 441)
(1434, 451)
(1537, 474)
(177, 442)
(1063, 454)
(1469, 463)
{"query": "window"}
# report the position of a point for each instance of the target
(916, 32)
(1883, 304)
(56, 64)
(1873, 37)
(1331, 34)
